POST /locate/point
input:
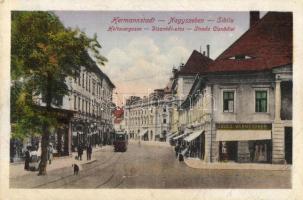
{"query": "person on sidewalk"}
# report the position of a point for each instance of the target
(27, 158)
(50, 154)
(177, 148)
(89, 152)
(80, 152)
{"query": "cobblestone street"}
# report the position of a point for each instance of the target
(150, 166)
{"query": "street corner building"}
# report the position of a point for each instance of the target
(238, 107)
(84, 115)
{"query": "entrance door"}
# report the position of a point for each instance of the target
(288, 144)
(202, 138)
(232, 149)
(228, 150)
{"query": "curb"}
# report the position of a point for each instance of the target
(91, 161)
(238, 166)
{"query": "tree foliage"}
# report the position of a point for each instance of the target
(43, 55)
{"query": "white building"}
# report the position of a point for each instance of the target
(88, 109)
(148, 118)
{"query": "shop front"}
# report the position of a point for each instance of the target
(143, 135)
(244, 143)
(196, 144)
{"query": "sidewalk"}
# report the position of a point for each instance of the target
(17, 169)
(199, 164)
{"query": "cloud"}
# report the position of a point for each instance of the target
(143, 65)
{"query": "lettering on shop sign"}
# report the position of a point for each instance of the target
(243, 126)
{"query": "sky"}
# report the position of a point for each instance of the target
(141, 61)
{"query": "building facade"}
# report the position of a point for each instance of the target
(240, 106)
(148, 118)
(84, 115)
(92, 102)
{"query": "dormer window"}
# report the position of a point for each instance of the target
(240, 57)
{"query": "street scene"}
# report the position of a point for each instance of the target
(150, 166)
(153, 100)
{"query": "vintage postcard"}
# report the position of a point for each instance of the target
(151, 103)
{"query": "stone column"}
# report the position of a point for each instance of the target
(278, 101)
(69, 138)
(278, 153)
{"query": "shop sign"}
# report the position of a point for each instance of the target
(243, 126)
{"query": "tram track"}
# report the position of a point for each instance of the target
(114, 172)
(72, 175)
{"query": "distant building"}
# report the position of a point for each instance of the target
(148, 118)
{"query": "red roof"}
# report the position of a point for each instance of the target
(268, 42)
(196, 63)
(118, 112)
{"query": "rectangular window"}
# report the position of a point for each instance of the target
(164, 121)
(89, 84)
(228, 101)
(86, 107)
(261, 101)
(75, 102)
(83, 80)
(79, 103)
(164, 109)
(86, 83)
(94, 84)
(89, 108)
(82, 105)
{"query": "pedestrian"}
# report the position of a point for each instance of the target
(89, 152)
(50, 153)
(27, 158)
(80, 152)
(177, 147)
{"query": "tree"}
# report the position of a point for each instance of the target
(43, 54)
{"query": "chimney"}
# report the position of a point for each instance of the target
(207, 50)
(203, 53)
(254, 16)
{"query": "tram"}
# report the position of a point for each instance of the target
(120, 142)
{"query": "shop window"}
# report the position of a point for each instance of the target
(228, 101)
(260, 151)
(261, 101)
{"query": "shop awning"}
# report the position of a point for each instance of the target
(183, 152)
(193, 136)
(142, 132)
(179, 136)
(171, 135)
(243, 135)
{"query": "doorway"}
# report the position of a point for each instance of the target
(288, 144)
(228, 150)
